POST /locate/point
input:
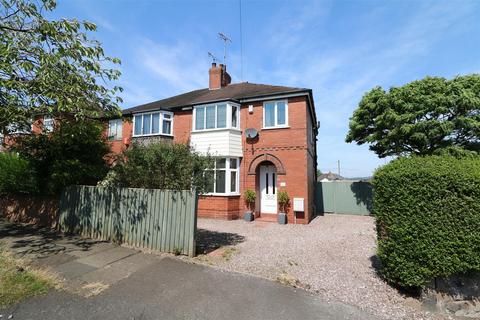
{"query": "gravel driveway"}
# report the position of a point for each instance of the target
(331, 256)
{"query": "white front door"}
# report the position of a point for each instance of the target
(268, 189)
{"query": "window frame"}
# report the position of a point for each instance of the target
(116, 129)
(275, 116)
(160, 126)
(228, 176)
(228, 116)
(50, 127)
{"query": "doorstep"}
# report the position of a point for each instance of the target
(267, 218)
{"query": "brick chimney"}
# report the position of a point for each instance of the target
(219, 77)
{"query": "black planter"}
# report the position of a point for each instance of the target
(282, 218)
(248, 216)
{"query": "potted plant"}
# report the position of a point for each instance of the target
(283, 200)
(249, 196)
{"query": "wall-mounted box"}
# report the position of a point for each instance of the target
(298, 204)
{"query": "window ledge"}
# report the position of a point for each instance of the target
(220, 195)
(276, 127)
(216, 129)
(152, 135)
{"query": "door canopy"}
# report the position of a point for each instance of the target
(266, 157)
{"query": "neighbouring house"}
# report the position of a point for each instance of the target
(263, 138)
(330, 176)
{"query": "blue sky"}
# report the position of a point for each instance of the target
(340, 49)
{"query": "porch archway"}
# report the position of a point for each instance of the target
(266, 157)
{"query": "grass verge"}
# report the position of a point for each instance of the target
(19, 281)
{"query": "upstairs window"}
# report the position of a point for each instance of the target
(153, 123)
(115, 129)
(48, 124)
(215, 116)
(275, 114)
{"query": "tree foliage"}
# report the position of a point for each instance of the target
(429, 116)
(162, 165)
(427, 211)
(16, 175)
(73, 154)
(51, 66)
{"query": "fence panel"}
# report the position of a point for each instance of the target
(162, 220)
(344, 197)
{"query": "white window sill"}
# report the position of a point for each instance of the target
(152, 135)
(221, 194)
(216, 129)
(276, 127)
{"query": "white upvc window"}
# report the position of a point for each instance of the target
(275, 114)
(224, 177)
(115, 127)
(216, 116)
(16, 128)
(48, 123)
(153, 123)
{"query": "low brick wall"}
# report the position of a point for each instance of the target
(215, 207)
(38, 210)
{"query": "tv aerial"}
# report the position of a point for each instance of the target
(214, 59)
(225, 39)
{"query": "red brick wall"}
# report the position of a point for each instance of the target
(39, 210)
(287, 144)
(182, 126)
(227, 208)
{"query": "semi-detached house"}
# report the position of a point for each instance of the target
(277, 152)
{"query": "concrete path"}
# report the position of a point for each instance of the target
(106, 281)
(87, 266)
(172, 289)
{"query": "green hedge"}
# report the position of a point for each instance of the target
(16, 174)
(427, 211)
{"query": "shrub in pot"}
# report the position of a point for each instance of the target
(283, 200)
(249, 196)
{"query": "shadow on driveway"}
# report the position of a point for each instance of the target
(208, 241)
(36, 242)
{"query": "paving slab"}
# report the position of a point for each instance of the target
(106, 257)
(107, 275)
(78, 250)
(73, 269)
(53, 260)
(136, 262)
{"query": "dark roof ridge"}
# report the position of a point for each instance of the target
(234, 91)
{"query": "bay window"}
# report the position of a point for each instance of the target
(152, 123)
(216, 116)
(275, 114)
(223, 178)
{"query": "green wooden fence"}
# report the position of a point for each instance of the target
(344, 197)
(161, 220)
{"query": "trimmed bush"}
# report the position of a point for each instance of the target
(427, 211)
(162, 165)
(16, 174)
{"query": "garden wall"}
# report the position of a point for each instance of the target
(38, 210)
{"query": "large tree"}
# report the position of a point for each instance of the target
(51, 66)
(428, 116)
